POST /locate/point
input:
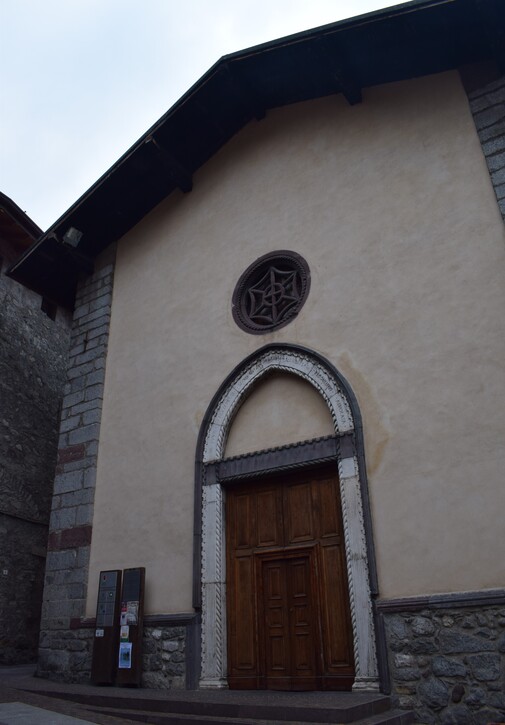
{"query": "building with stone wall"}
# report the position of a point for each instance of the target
(34, 336)
(286, 390)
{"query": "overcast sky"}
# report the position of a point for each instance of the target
(82, 80)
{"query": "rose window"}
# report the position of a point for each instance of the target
(271, 292)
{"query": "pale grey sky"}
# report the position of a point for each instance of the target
(81, 80)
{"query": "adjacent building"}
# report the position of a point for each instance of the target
(34, 337)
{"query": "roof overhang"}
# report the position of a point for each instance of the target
(406, 41)
(17, 230)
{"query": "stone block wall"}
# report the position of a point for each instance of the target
(164, 658)
(23, 548)
(65, 645)
(488, 108)
(448, 663)
(66, 640)
(33, 352)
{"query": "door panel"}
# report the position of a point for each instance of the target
(336, 626)
(288, 610)
(242, 627)
(287, 627)
(303, 604)
(245, 535)
(274, 627)
(298, 513)
(269, 513)
(328, 508)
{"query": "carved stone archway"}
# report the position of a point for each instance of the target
(355, 512)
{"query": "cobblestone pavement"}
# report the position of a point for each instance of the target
(18, 706)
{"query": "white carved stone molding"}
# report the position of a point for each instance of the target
(213, 590)
(308, 367)
(365, 659)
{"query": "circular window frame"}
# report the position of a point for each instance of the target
(253, 274)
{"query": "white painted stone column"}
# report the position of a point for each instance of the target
(365, 659)
(214, 667)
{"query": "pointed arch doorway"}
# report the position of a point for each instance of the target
(287, 569)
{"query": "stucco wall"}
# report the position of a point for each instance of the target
(282, 410)
(391, 205)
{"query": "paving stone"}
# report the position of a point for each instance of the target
(14, 713)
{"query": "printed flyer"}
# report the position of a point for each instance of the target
(125, 656)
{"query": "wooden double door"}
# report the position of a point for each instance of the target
(288, 611)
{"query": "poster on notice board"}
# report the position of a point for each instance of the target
(125, 656)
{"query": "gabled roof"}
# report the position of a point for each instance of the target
(17, 230)
(406, 41)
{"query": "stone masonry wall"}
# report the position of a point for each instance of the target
(488, 108)
(23, 549)
(448, 665)
(33, 351)
(65, 646)
(164, 658)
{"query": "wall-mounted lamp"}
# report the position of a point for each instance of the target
(72, 237)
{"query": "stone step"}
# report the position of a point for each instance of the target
(235, 708)
(317, 708)
(391, 717)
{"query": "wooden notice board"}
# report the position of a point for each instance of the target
(130, 628)
(105, 641)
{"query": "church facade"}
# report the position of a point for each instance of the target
(285, 395)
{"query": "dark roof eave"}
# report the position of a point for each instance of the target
(19, 216)
(236, 89)
(379, 15)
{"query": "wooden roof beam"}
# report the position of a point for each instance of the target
(77, 259)
(344, 83)
(243, 93)
(182, 178)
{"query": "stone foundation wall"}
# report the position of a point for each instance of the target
(165, 654)
(72, 654)
(164, 658)
(448, 664)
